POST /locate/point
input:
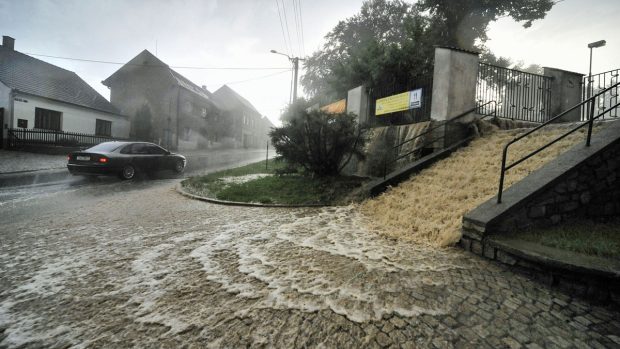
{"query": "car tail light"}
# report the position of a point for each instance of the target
(103, 160)
(69, 157)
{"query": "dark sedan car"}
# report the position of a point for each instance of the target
(124, 159)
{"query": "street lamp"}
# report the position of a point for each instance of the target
(591, 46)
(295, 61)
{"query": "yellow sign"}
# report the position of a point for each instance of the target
(402, 101)
(336, 107)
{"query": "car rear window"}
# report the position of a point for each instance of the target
(105, 147)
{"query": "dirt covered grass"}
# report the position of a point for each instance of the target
(428, 208)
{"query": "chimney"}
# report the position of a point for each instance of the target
(204, 87)
(8, 42)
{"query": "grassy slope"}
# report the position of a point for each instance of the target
(291, 190)
(428, 208)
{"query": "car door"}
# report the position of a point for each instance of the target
(141, 156)
(159, 160)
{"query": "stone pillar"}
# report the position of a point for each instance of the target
(454, 92)
(454, 82)
(357, 103)
(566, 92)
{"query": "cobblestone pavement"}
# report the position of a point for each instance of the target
(137, 265)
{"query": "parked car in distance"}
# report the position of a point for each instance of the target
(124, 159)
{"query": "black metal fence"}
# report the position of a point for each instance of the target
(605, 101)
(519, 95)
(20, 137)
(421, 114)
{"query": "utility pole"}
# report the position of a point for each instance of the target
(295, 61)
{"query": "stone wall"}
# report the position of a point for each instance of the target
(580, 183)
(591, 190)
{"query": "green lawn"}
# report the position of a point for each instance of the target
(591, 238)
(289, 189)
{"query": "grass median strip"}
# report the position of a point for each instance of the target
(259, 184)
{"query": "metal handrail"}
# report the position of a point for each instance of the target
(431, 129)
(605, 72)
(589, 122)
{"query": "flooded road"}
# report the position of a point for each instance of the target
(120, 264)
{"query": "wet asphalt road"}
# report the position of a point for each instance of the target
(115, 264)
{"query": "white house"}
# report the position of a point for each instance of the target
(38, 95)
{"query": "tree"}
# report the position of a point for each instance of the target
(465, 21)
(487, 56)
(320, 142)
(392, 42)
(386, 42)
(142, 126)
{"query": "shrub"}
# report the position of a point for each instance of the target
(320, 142)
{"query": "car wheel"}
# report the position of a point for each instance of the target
(179, 166)
(128, 172)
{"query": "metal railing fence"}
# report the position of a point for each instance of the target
(520, 95)
(411, 116)
(604, 101)
(19, 137)
(589, 103)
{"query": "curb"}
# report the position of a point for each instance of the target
(592, 278)
(180, 190)
(32, 177)
(539, 255)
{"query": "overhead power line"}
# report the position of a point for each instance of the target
(142, 65)
(297, 30)
(286, 43)
(258, 77)
(288, 32)
(301, 25)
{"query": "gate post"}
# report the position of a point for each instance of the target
(454, 88)
(357, 103)
(454, 82)
(566, 92)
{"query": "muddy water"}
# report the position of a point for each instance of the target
(149, 268)
(321, 259)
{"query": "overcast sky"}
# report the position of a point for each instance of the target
(240, 33)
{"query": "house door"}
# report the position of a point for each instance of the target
(1, 127)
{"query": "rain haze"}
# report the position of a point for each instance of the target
(161, 186)
(240, 34)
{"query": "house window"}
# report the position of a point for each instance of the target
(103, 128)
(47, 119)
(204, 113)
